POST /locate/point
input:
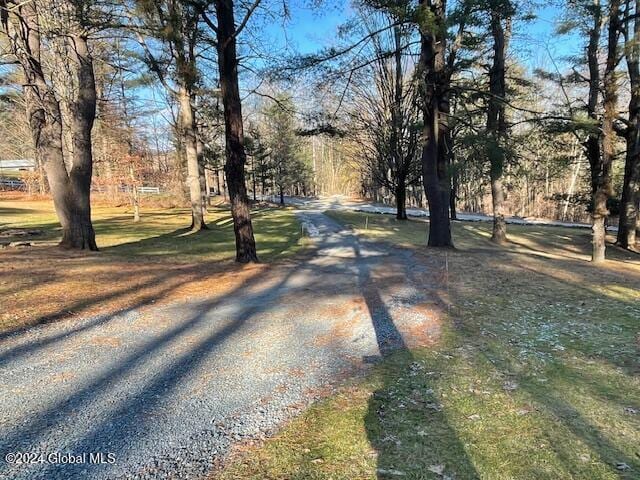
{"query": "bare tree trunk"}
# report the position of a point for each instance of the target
(202, 175)
(314, 185)
(225, 190)
(400, 163)
(496, 125)
(454, 194)
(597, 162)
(70, 189)
(253, 178)
(255, 195)
(236, 156)
(207, 179)
(499, 233)
(135, 196)
(435, 93)
(42, 187)
(631, 185)
(190, 139)
(401, 199)
(603, 177)
(80, 234)
(592, 143)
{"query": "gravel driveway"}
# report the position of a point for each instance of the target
(164, 393)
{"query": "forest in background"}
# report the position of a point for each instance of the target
(426, 103)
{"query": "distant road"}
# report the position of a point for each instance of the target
(338, 202)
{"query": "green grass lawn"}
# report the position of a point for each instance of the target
(161, 233)
(155, 260)
(469, 236)
(536, 377)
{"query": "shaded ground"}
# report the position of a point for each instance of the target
(139, 263)
(536, 374)
(168, 389)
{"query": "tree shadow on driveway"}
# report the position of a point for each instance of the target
(115, 432)
(124, 405)
(404, 422)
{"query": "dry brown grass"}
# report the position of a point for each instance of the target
(41, 285)
(141, 264)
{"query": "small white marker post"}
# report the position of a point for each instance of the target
(366, 222)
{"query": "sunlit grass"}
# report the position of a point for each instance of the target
(537, 378)
(160, 232)
(155, 260)
(472, 235)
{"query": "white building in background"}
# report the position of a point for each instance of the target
(23, 164)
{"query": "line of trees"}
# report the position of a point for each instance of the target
(61, 96)
(419, 100)
(449, 73)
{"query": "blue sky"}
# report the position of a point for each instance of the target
(314, 28)
(311, 29)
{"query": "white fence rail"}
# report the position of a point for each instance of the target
(150, 190)
(127, 189)
(12, 184)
